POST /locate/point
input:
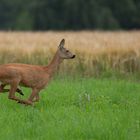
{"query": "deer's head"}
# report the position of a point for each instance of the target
(63, 52)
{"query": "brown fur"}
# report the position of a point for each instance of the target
(35, 77)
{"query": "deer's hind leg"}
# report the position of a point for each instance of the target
(12, 96)
(12, 91)
(2, 88)
(7, 90)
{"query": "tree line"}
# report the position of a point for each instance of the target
(69, 14)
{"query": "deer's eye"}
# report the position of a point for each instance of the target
(67, 50)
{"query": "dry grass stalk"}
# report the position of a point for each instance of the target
(97, 52)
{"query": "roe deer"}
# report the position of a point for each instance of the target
(35, 77)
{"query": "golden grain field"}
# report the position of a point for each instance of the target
(97, 52)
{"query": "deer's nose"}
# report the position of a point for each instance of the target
(73, 56)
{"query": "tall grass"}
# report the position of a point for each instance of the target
(98, 53)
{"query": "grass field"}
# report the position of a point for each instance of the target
(75, 109)
(95, 96)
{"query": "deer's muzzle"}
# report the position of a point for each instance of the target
(73, 56)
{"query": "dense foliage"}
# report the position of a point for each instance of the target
(69, 14)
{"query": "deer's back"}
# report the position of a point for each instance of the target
(28, 75)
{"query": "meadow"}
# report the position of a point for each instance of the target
(95, 96)
(75, 109)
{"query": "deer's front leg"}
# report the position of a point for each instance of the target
(36, 98)
(33, 95)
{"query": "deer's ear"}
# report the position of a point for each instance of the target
(62, 43)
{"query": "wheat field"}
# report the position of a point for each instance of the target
(97, 52)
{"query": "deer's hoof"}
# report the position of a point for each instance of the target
(29, 103)
(25, 102)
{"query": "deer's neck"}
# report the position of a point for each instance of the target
(54, 64)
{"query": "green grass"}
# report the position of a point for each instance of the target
(75, 109)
